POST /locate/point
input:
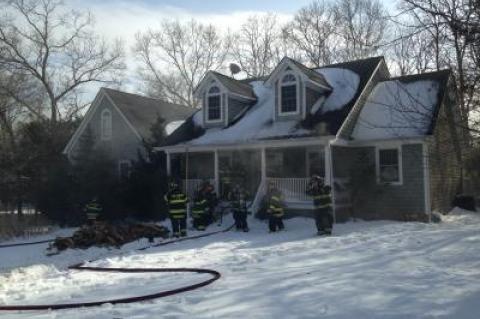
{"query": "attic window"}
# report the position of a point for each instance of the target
(106, 125)
(214, 104)
(288, 98)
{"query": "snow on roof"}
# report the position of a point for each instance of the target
(172, 126)
(256, 124)
(397, 109)
(345, 85)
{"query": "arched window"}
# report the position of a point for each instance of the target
(106, 125)
(214, 104)
(288, 94)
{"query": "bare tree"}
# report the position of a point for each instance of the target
(257, 47)
(177, 56)
(56, 50)
(362, 26)
(312, 31)
(457, 20)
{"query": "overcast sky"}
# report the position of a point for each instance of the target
(123, 18)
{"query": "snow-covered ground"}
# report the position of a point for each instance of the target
(366, 270)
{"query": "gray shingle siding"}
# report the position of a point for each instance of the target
(374, 201)
(444, 167)
(124, 144)
(311, 96)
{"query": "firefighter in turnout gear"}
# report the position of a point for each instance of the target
(209, 193)
(177, 208)
(239, 205)
(275, 208)
(322, 202)
(92, 210)
(200, 211)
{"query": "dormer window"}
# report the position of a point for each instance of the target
(288, 99)
(214, 104)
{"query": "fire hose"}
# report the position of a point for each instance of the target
(215, 276)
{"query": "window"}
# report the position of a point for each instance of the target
(106, 125)
(214, 104)
(124, 167)
(389, 166)
(288, 94)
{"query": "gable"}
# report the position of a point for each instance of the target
(92, 120)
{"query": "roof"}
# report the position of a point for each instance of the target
(402, 107)
(347, 81)
(235, 86)
(311, 74)
(142, 111)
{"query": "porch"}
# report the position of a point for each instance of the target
(288, 166)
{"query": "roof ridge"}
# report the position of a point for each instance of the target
(145, 97)
(231, 78)
(408, 76)
(345, 62)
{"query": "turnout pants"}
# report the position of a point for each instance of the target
(324, 220)
(275, 223)
(200, 222)
(240, 218)
(179, 226)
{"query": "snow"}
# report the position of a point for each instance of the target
(172, 126)
(380, 269)
(345, 85)
(397, 110)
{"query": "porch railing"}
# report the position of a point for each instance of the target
(293, 189)
(191, 186)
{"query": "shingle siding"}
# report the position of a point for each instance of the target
(370, 200)
(124, 144)
(444, 168)
(235, 106)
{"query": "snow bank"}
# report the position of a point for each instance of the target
(396, 109)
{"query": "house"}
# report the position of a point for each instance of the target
(384, 143)
(119, 123)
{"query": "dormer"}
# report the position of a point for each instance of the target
(223, 99)
(296, 88)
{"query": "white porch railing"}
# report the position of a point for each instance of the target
(293, 189)
(191, 186)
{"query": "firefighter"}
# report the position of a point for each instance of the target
(93, 209)
(200, 210)
(239, 205)
(177, 208)
(211, 197)
(322, 203)
(275, 208)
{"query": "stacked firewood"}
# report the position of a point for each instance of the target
(102, 234)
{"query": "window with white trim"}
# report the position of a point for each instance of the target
(106, 125)
(214, 104)
(288, 98)
(389, 166)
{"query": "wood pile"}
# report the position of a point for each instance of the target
(102, 234)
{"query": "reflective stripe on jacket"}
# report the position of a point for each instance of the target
(177, 204)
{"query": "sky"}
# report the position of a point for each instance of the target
(124, 18)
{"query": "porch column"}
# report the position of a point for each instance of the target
(169, 169)
(329, 179)
(263, 164)
(217, 175)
